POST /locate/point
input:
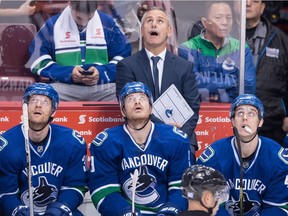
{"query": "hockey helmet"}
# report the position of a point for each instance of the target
(199, 178)
(247, 99)
(134, 87)
(42, 89)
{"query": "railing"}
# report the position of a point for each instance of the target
(90, 118)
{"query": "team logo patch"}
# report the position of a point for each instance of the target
(3, 143)
(249, 206)
(78, 137)
(207, 154)
(100, 138)
(169, 113)
(283, 155)
(43, 194)
(179, 132)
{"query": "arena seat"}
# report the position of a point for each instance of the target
(15, 40)
(14, 75)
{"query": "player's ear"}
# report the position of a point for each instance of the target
(151, 109)
(169, 31)
(205, 197)
(123, 111)
(232, 121)
(261, 123)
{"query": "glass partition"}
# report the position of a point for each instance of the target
(207, 34)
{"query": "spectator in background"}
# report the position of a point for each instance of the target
(24, 9)
(216, 56)
(205, 188)
(124, 14)
(107, 6)
(198, 27)
(255, 167)
(142, 9)
(79, 39)
(155, 30)
(46, 9)
(159, 152)
(269, 46)
(58, 180)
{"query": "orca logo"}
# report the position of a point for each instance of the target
(249, 206)
(43, 194)
(82, 119)
(145, 187)
(228, 64)
(169, 113)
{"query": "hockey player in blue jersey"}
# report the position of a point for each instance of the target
(57, 153)
(159, 152)
(256, 167)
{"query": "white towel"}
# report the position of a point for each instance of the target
(66, 33)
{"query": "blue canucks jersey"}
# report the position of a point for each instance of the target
(160, 164)
(217, 70)
(265, 176)
(58, 171)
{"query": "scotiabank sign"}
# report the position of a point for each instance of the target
(91, 118)
(212, 125)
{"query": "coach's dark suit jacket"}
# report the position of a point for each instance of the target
(176, 71)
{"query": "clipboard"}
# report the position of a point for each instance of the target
(172, 108)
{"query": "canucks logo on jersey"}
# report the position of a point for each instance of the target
(249, 206)
(283, 155)
(145, 188)
(43, 194)
(3, 143)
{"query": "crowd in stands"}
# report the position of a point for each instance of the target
(87, 51)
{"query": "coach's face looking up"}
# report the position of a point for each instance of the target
(155, 29)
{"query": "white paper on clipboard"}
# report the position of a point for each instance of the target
(172, 108)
